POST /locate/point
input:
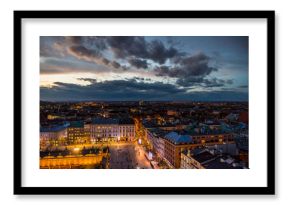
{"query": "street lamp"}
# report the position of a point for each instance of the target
(76, 150)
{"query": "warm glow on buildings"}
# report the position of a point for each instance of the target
(71, 161)
(112, 130)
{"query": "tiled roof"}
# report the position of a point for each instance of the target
(78, 124)
(122, 121)
(203, 157)
(102, 121)
(127, 121)
(175, 138)
(54, 128)
(217, 164)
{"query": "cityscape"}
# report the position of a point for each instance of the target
(144, 102)
(149, 135)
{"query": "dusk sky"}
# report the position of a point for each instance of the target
(112, 68)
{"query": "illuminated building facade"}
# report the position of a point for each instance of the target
(189, 160)
(176, 143)
(70, 161)
(103, 129)
(155, 141)
(53, 136)
(78, 133)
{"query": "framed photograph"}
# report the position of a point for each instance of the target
(144, 102)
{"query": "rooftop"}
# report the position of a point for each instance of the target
(54, 128)
(204, 157)
(121, 121)
(76, 124)
(194, 151)
(103, 121)
(126, 121)
(218, 164)
(210, 160)
(176, 138)
(204, 131)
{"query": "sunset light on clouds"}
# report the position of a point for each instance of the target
(115, 68)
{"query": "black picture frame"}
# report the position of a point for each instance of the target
(268, 190)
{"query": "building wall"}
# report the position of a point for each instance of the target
(101, 132)
(78, 135)
(104, 132)
(213, 139)
(149, 137)
(188, 162)
(90, 133)
(53, 138)
(160, 147)
(185, 162)
(127, 131)
(46, 138)
(156, 143)
(69, 162)
(172, 152)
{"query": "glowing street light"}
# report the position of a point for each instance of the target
(76, 149)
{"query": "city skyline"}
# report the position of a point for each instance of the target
(143, 135)
(149, 68)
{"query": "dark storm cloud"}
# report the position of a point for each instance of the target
(195, 65)
(105, 61)
(115, 64)
(126, 46)
(74, 39)
(124, 67)
(190, 71)
(138, 63)
(134, 50)
(131, 89)
(90, 80)
(122, 46)
(138, 78)
(85, 49)
(92, 60)
(138, 47)
(98, 43)
(172, 59)
(201, 82)
(94, 53)
(158, 53)
(84, 53)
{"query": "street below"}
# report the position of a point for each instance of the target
(128, 156)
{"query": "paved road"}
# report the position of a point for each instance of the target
(127, 156)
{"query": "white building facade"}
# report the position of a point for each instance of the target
(111, 130)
